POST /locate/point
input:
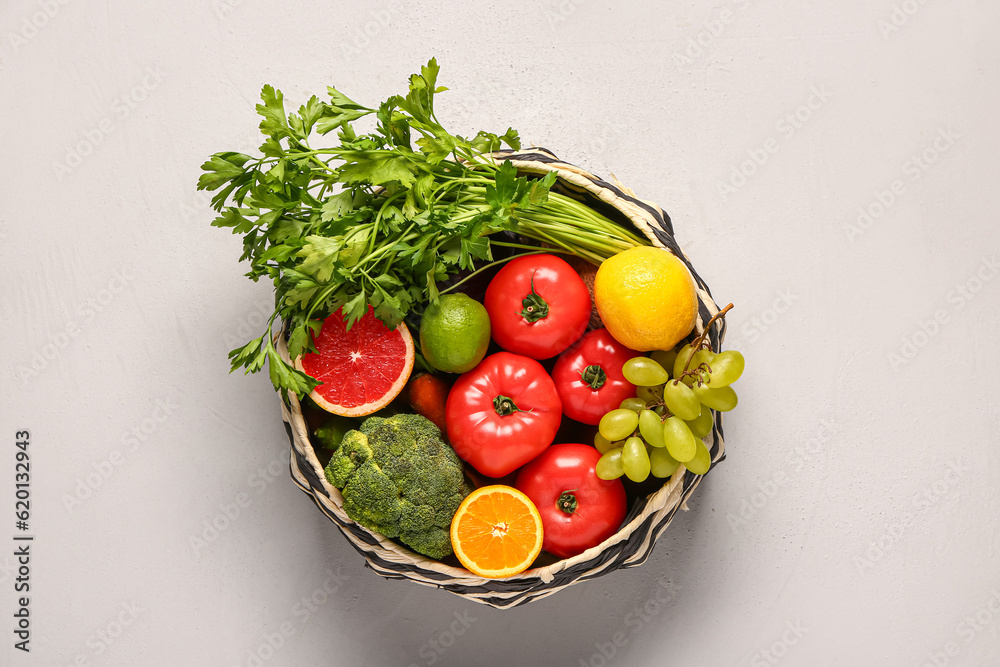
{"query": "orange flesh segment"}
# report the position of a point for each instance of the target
(498, 533)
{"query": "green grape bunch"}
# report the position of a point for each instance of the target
(662, 427)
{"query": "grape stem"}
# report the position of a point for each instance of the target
(695, 372)
(699, 342)
(667, 414)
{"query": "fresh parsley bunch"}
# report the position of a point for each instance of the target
(379, 219)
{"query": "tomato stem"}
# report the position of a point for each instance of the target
(594, 376)
(567, 502)
(534, 305)
(505, 406)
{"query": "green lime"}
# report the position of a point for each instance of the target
(455, 333)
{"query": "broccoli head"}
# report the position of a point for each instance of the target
(400, 478)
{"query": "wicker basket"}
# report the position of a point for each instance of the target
(644, 522)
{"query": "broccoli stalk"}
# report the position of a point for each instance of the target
(399, 478)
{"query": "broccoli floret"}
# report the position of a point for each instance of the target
(348, 457)
(371, 499)
(401, 479)
(434, 542)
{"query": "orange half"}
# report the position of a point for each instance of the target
(496, 532)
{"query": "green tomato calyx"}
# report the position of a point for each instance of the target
(505, 406)
(594, 376)
(567, 502)
(535, 307)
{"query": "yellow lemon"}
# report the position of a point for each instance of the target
(646, 298)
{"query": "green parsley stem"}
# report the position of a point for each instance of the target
(535, 250)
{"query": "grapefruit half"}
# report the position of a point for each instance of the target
(361, 370)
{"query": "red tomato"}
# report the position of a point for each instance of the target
(579, 509)
(502, 413)
(538, 305)
(589, 378)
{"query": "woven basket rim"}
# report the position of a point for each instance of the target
(660, 504)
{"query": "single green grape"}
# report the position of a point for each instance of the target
(610, 466)
(680, 400)
(662, 464)
(644, 372)
(681, 360)
(635, 404)
(702, 356)
(650, 394)
(651, 428)
(718, 398)
(727, 367)
(604, 445)
(701, 425)
(664, 358)
(700, 362)
(635, 460)
(618, 424)
(679, 439)
(702, 460)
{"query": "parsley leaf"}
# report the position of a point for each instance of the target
(382, 217)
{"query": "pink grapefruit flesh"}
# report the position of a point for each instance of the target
(361, 370)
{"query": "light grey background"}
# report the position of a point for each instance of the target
(855, 520)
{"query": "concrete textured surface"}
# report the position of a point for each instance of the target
(831, 168)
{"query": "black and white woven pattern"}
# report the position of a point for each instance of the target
(644, 522)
